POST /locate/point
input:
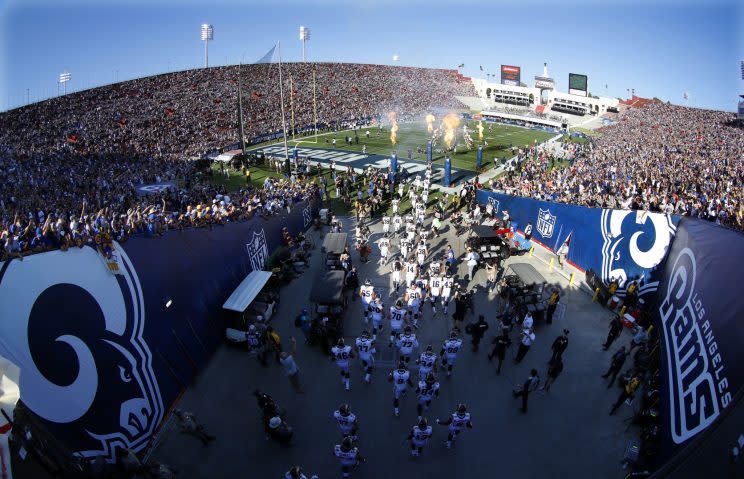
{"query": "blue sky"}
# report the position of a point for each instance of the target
(661, 48)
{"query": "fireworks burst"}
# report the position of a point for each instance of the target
(480, 130)
(393, 127)
(450, 123)
(430, 122)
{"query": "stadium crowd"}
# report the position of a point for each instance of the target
(661, 158)
(70, 165)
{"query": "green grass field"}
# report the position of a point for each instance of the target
(414, 135)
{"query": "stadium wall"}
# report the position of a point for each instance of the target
(101, 355)
(699, 313)
(618, 244)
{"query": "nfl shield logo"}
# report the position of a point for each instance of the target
(545, 223)
(307, 216)
(258, 251)
(494, 203)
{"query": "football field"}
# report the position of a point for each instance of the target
(412, 139)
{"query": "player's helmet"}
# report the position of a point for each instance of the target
(453, 334)
(399, 303)
(344, 409)
(423, 423)
(252, 327)
(340, 341)
(367, 282)
(461, 409)
(429, 348)
(365, 334)
(347, 444)
(401, 366)
(407, 330)
(295, 472)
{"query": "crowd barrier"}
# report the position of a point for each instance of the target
(104, 355)
(616, 244)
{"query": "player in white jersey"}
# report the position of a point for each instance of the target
(347, 421)
(367, 292)
(413, 297)
(377, 312)
(411, 271)
(397, 269)
(348, 455)
(425, 194)
(401, 188)
(436, 283)
(435, 268)
(397, 224)
(426, 362)
(341, 353)
(421, 251)
(417, 182)
(397, 317)
(424, 235)
(365, 347)
(406, 343)
(449, 351)
(396, 205)
(404, 248)
(419, 436)
(384, 250)
(458, 421)
(420, 213)
(411, 231)
(385, 225)
(449, 283)
(401, 379)
(426, 391)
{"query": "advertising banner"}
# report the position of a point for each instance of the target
(617, 244)
(104, 355)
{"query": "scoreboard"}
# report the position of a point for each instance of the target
(511, 75)
(577, 84)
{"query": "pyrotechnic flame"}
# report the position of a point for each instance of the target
(480, 130)
(393, 127)
(430, 122)
(450, 123)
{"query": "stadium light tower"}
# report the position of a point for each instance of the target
(207, 34)
(304, 37)
(64, 77)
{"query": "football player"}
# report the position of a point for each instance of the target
(347, 421)
(458, 421)
(348, 455)
(401, 379)
(397, 316)
(377, 311)
(426, 362)
(419, 436)
(448, 286)
(385, 225)
(365, 347)
(411, 271)
(449, 351)
(426, 391)
(413, 300)
(436, 284)
(341, 353)
(384, 249)
(397, 268)
(406, 344)
(421, 251)
(367, 292)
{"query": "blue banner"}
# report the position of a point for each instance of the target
(428, 152)
(394, 163)
(479, 158)
(447, 172)
(699, 314)
(616, 244)
(104, 355)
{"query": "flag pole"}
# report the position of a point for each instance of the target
(291, 106)
(315, 109)
(284, 122)
(240, 110)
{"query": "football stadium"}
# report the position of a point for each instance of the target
(292, 268)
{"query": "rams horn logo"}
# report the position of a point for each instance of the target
(634, 242)
(76, 332)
